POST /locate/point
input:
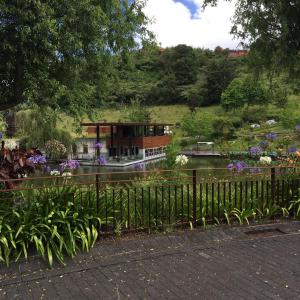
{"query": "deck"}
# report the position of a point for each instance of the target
(200, 153)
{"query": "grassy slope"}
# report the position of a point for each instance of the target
(174, 113)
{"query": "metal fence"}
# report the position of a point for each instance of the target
(162, 198)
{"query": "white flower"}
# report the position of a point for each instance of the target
(54, 173)
(181, 160)
(67, 174)
(266, 160)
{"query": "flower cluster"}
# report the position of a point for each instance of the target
(297, 128)
(67, 174)
(265, 160)
(264, 145)
(55, 149)
(37, 159)
(102, 160)
(181, 160)
(54, 173)
(292, 150)
(71, 164)
(98, 145)
(254, 151)
(271, 136)
(138, 167)
(237, 166)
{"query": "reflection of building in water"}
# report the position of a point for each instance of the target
(123, 144)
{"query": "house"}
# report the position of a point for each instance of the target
(123, 144)
(237, 53)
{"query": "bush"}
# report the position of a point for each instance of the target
(223, 128)
(198, 124)
(254, 114)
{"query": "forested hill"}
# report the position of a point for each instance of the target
(180, 74)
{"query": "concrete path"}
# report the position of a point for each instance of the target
(219, 263)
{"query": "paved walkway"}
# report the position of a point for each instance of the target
(215, 264)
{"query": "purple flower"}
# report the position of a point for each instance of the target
(271, 136)
(230, 167)
(1, 135)
(138, 167)
(264, 145)
(292, 150)
(37, 159)
(102, 160)
(237, 166)
(99, 145)
(255, 151)
(69, 164)
(47, 169)
(297, 128)
(255, 170)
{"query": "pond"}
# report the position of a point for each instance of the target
(194, 163)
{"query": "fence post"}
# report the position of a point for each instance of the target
(194, 198)
(273, 184)
(97, 197)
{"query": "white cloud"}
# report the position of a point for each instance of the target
(173, 24)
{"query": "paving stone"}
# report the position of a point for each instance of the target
(222, 263)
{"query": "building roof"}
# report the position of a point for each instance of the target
(124, 124)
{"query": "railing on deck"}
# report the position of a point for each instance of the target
(161, 198)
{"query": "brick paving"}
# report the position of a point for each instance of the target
(222, 263)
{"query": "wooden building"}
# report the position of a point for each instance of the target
(125, 143)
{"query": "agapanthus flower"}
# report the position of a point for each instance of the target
(181, 160)
(297, 128)
(67, 174)
(47, 169)
(138, 166)
(37, 159)
(264, 145)
(237, 166)
(54, 173)
(271, 136)
(102, 160)
(71, 164)
(255, 151)
(1, 135)
(265, 160)
(98, 145)
(292, 150)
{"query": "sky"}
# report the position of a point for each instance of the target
(184, 22)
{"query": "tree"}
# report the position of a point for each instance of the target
(244, 91)
(271, 29)
(57, 53)
(219, 72)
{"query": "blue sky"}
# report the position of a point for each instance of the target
(192, 7)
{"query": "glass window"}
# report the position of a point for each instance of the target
(85, 149)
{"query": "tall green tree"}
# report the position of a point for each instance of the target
(57, 52)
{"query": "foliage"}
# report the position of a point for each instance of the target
(38, 127)
(243, 91)
(55, 149)
(223, 128)
(58, 53)
(198, 124)
(52, 221)
(171, 154)
(135, 112)
(271, 29)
